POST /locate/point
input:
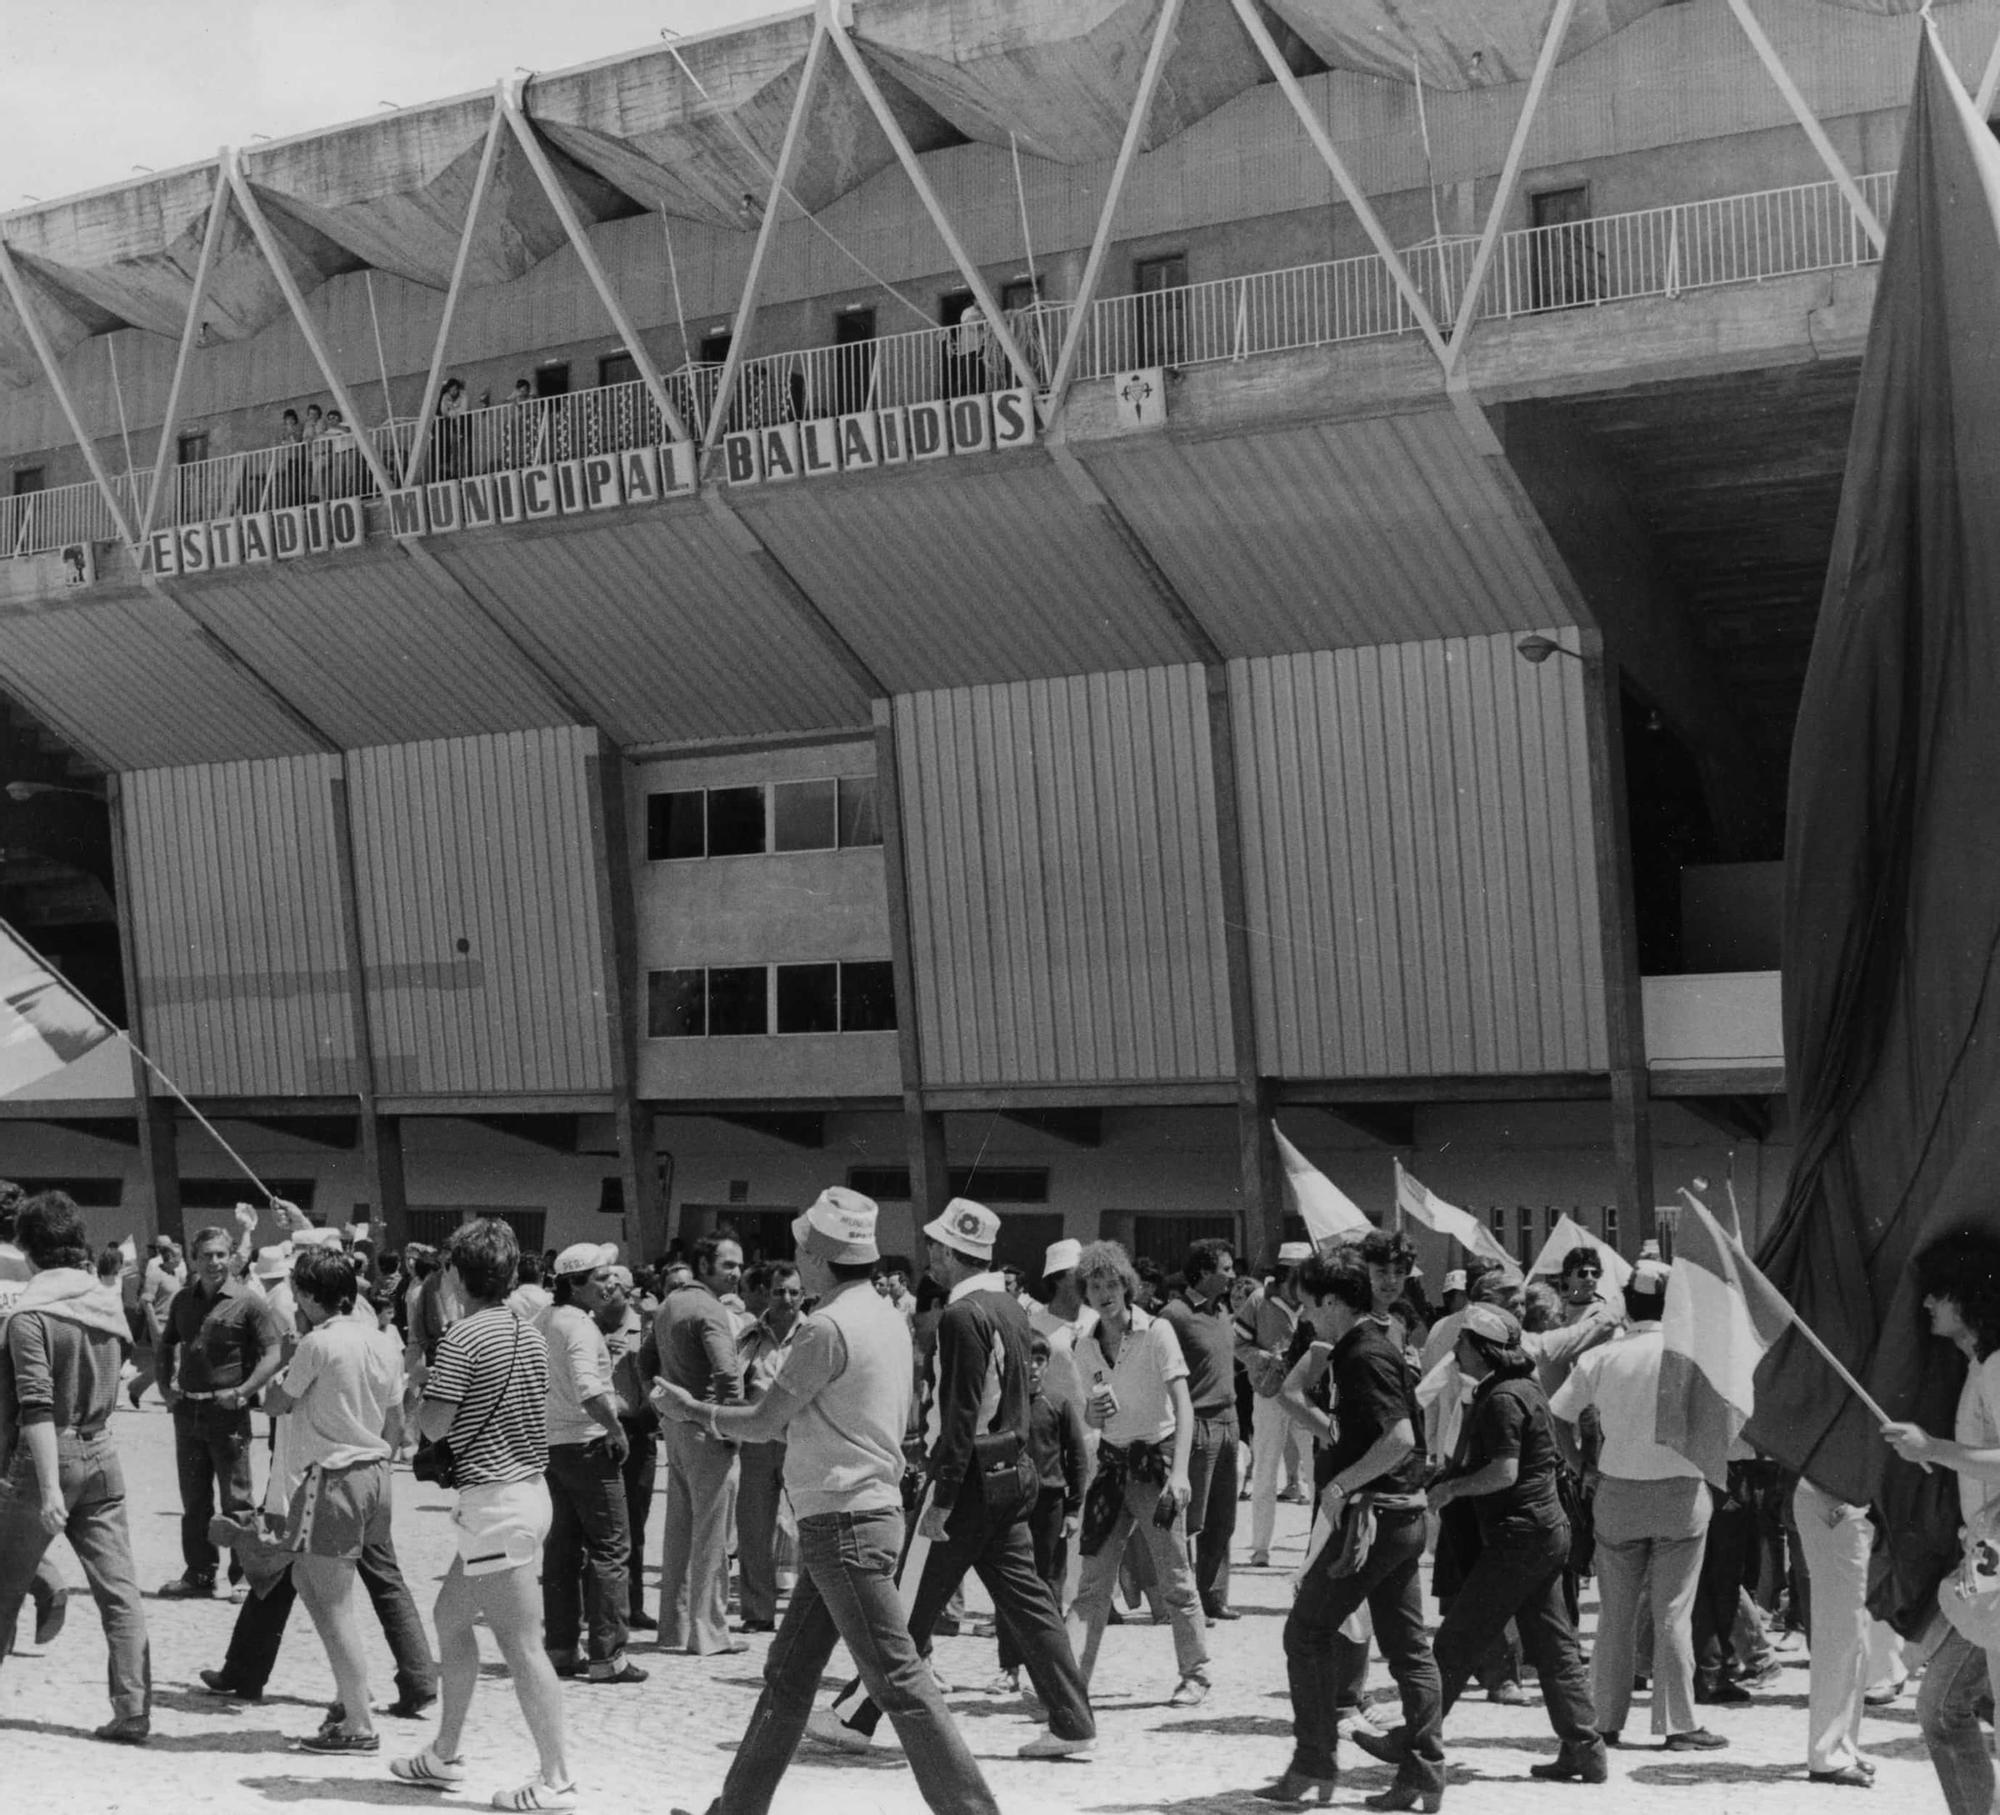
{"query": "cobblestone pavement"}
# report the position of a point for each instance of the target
(668, 1741)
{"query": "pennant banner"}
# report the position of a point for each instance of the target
(1328, 1211)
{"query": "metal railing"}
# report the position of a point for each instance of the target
(1665, 251)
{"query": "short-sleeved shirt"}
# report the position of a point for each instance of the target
(1207, 1335)
(1149, 1362)
(579, 1371)
(495, 1370)
(1372, 1393)
(219, 1341)
(1622, 1380)
(345, 1376)
(1511, 1418)
(1978, 1424)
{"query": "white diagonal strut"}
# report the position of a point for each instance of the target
(1989, 81)
(767, 228)
(906, 155)
(1322, 142)
(1510, 171)
(572, 225)
(413, 469)
(211, 240)
(1767, 54)
(17, 293)
(1100, 244)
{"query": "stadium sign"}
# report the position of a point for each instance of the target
(985, 422)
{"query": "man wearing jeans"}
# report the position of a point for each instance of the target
(1203, 1326)
(589, 1537)
(221, 1344)
(842, 1404)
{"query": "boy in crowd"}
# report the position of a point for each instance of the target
(1056, 1441)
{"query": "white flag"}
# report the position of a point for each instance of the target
(1328, 1211)
(1568, 1234)
(44, 1024)
(1415, 1200)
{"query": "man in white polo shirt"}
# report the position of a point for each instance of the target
(842, 1404)
(1651, 1512)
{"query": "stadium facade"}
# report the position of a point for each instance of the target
(1002, 595)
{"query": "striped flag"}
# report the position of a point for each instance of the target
(44, 1024)
(1423, 1205)
(1328, 1211)
(1721, 1316)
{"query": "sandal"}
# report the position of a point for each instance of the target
(429, 1770)
(537, 1793)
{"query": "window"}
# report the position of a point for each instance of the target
(1166, 1238)
(868, 998)
(853, 360)
(85, 1193)
(226, 1193)
(552, 378)
(714, 348)
(676, 1005)
(30, 479)
(735, 822)
(433, 1224)
(191, 447)
(617, 368)
(738, 1000)
(989, 1184)
(805, 815)
(676, 825)
(859, 824)
(809, 998)
(1161, 302)
(1020, 293)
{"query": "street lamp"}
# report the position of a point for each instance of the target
(1538, 649)
(22, 791)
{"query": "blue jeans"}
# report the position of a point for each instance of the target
(1315, 1663)
(1954, 1680)
(589, 1545)
(212, 1458)
(93, 1487)
(847, 1594)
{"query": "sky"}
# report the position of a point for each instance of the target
(91, 88)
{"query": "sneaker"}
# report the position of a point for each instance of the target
(1883, 1695)
(429, 1770)
(188, 1588)
(1008, 1682)
(1763, 1676)
(1048, 1745)
(537, 1793)
(826, 1728)
(333, 1740)
(127, 1730)
(1696, 1739)
(1189, 1692)
(220, 1682)
(616, 1670)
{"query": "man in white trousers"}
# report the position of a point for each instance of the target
(1836, 1538)
(1276, 1443)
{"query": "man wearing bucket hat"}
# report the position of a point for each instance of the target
(842, 1403)
(983, 1485)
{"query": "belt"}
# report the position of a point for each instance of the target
(80, 1435)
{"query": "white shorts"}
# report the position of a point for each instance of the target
(501, 1525)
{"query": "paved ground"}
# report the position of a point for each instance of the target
(668, 1741)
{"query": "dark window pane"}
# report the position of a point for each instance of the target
(735, 822)
(674, 825)
(858, 821)
(807, 998)
(802, 814)
(867, 998)
(674, 1005)
(738, 1000)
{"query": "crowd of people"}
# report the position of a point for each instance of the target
(861, 1434)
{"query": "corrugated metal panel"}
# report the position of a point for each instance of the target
(961, 578)
(1335, 535)
(136, 684)
(375, 651)
(659, 629)
(1419, 862)
(234, 902)
(1065, 893)
(484, 841)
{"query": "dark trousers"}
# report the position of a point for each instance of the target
(1518, 1578)
(585, 1556)
(641, 1472)
(260, 1627)
(996, 1547)
(1213, 1468)
(847, 1594)
(1387, 1582)
(1725, 1566)
(760, 1490)
(212, 1457)
(1045, 1538)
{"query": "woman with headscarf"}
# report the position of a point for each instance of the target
(1507, 1464)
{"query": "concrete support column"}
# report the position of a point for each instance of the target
(159, 1209)
(382, 1160)
(930, 1176)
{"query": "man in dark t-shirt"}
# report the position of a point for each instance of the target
(1372, 1501)
(1203, 1326)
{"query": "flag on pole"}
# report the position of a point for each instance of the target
(1328, 1211)
(44, 1024)
(1569, 1233)
(1417, 1201)
(1721, 1316)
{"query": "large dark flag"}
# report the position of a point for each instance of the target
(1892, 858)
